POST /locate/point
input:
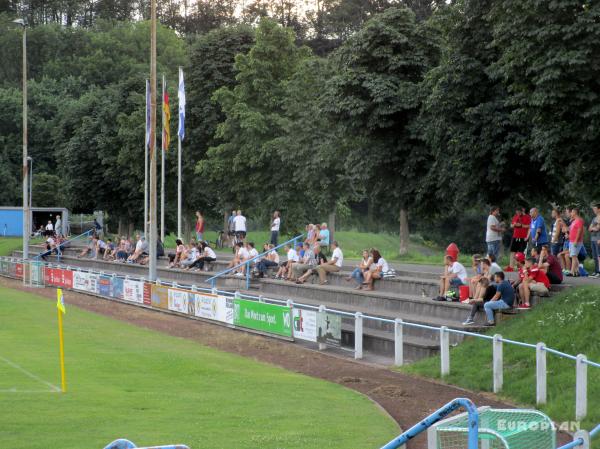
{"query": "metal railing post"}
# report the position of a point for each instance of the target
(444, 351)
(399, 342)
(358, 335)
(540, 374)
(581, 388)
(584, 435)
(322, 346)
(497, 363)
(247, 275)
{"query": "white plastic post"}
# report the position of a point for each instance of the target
(289, 303)
(581, 388)
(322, 346)
(399, 342)
(237, 295)
(358, 335)
(194, 288)
(540, 374)
(497, 363)
(444, 351)
(214, 291)
(585, 437)
(261, 298)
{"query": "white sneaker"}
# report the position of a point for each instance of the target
(238, 274)
(468, 322)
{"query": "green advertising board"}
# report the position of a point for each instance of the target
(263, 317)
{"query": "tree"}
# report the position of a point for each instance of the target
(376, 95)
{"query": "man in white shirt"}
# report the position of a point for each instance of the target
(275, 225)
(332, 266)
(455, 275)
(493, 233)
(239, 225)
(49, 229)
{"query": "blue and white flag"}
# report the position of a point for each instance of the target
(147, 113)
(181, 95)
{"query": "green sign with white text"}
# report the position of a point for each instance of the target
(263, 317)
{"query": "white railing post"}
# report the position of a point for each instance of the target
(289, 303)
(399, 342)
(322, 346)
(585, 437)
(358, 335)
(213, 291)
(540, 374)
(194, 288)
(261, 298)
(497, 363)
(581, 388)
(444, 351)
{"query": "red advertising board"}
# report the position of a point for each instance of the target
(19, 270)
(66, 278)
(147, 294)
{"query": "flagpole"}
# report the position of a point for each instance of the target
(146, 167)
(180, 135)
(162, 168)
(152, 241)
(178, 186)
(63, 381)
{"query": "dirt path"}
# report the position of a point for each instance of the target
(406, 398)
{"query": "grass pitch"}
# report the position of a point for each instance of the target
(125, 381)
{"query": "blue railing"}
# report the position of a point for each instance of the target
(213, 279)
(579, 440)
(473, 417)
(60, 247)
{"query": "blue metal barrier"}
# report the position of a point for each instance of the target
(438, 416)
(579, 441)
(213, 279)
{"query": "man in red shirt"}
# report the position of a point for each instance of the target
(575, 240)
(548, 263)
(520, 224)
(534, 281)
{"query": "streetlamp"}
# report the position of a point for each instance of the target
(30, 162)
(26, 212)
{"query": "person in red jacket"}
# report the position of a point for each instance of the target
(520, 224)
(534, 281)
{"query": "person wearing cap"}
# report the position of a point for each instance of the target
(520, 260)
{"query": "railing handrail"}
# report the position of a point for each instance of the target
(61, 245)
(229, 270)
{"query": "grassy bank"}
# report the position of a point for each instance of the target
(10, 244)
(568, 322)
(126, 381)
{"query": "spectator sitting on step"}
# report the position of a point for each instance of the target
(502, 299)
(252, 252)
(534, 281)
(109, 252)
(240, 255)
(477, 266)
(485, 273)
(123, 250)
(89, 248)
(332, 266)
(484, 292)
(101, 247)
(376, 271)
(207, 255)
(454, 275)
(175, 258)
(311, 236)
(320, 259)
(271, 260)
(286, 267)
(306, 262)
(359, 272)
(191, 256)
(494, 267)
(549, 264)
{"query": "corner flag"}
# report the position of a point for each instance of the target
(181, 96)
(60, 301)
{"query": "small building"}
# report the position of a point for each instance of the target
(11, 219)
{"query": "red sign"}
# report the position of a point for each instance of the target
(66, 278)
(47, 276)
(19, 271)
(147, 294)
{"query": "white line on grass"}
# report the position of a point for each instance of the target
(14, 390)
(54, 388)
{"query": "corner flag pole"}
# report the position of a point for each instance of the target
(60, 306)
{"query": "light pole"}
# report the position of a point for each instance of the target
(30, 162)
(26, 226)
(152, 209)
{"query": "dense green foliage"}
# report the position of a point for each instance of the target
(567, 322)
(425, 107)
(126, 381)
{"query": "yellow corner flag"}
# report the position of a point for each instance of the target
(60, 305)
(60, 301)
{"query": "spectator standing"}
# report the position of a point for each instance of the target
(200, 225)
(49, 229)
(323, 237)
(239, 225)
(231, 226)
(334, 265)
(538, 234)
(454, 275)
(494, 230)
(503, 299)
(595, 238)
(275, 226)
(520, 224)
(58, 226)
(556, 234)
(575, 240)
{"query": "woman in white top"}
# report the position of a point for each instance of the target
(175, 259)
(207, 256)
(275, 225)
(379, 267)
(361, 269)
